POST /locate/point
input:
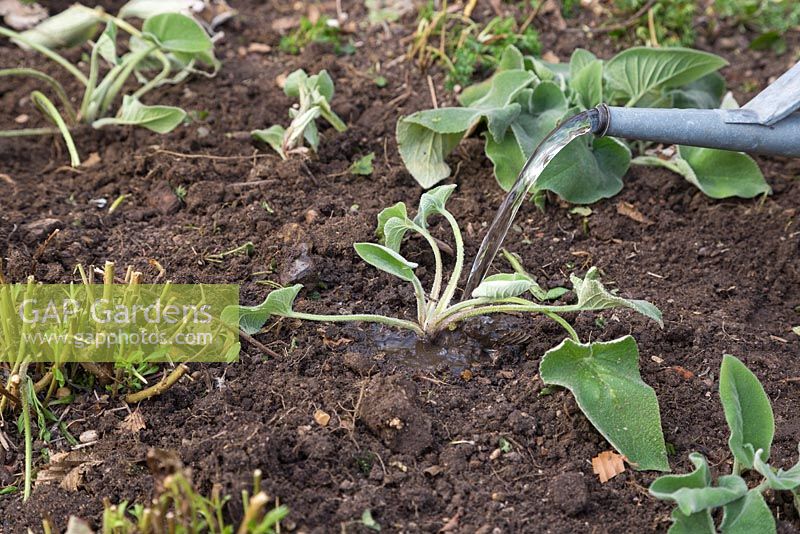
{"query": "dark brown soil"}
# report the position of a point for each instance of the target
(725, 275)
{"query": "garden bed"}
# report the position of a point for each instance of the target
(725, 274)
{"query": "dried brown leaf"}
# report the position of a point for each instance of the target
(91, 161)
(607, 465)
(66, 469)
(133, 423)
(629, 210)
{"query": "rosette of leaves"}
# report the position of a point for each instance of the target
(603, 376)
(752, 426)
(314, 93)
(165, 51)
(526, 98)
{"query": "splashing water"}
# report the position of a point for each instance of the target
(550, 146)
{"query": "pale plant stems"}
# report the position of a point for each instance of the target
(419, 293)
(50, 111)
(27, 132)
(91, 85)
(452, 284)
(50, 54)
(564, 324)
(166, 68)
(41, 76)
(25, 391)
(367, 318)
(123, 76)
(437, 258)
(503, 308)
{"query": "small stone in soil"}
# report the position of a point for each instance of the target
(37, 230)
(164, 199)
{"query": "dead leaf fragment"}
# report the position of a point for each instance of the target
(684, 372)
(322, 418)
(607, 465)
(66, 469)
(20, 16)
(259, 48)
(91, 161)
(21, 119)
(133, 423)
(550, 57)
(629, 210)
(466, 375)
(89, 436)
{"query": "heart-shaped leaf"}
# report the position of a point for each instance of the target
(637, 71)
(588, 84)
(177, 33)
(386, 260)
(398, 210)
(278, 302)
(748, 515)
(159, 119)
(747, 411)
(273, 136)
(604, 378)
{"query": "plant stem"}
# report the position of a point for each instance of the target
(367, 318)
(158, 388)
(25, 390)
(49, 80)
(156, 81)
(129, 65)
(419, 292)
(737, 467)
(497, 308)
(564, 324)
(50, 111)
(437, 257)
(452, 284)
(50, 54)
(25, 132)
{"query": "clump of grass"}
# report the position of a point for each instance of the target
(465, 47)
(322, 30)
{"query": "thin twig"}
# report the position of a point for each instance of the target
(432, 90)
(257, 344)
(208, 156)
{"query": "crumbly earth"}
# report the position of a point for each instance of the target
(409, 438)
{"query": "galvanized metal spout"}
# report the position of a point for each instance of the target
(766, 125)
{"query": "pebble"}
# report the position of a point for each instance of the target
(37, 230)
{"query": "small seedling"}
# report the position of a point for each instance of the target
(315, 93)
(323, 30)
(527, 98)
(752, 426)
(625, 411)
(362, 166)
(170, 43)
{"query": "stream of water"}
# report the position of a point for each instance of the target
(550, 146)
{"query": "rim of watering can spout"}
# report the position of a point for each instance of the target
(600, 119)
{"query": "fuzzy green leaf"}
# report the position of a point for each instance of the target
(747, 411)
(73, 26)
(502, 286)
(273, 136)
(423, 152)
(699, 523)
(362, 166)
(693, 493)
(398, 210)
(593, 296)
(748, 515)
(786, 480)
(588, 84)
(387, 260)
(637, 71)
(512, 59)
(177, 33)
(425, 138)
(394, 230)
(433, 202)
(144, 9)
(724, 174)
(159, 119)
(580, 58)
(278, 302)
(106, 44)
(605, 379)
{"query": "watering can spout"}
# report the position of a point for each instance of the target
(768, 124)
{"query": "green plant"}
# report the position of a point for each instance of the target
(663, 23)
(180, 508)
(464, 46)
(770, 18)
(749, 416)
(603, 376)
(170, 43)
(315, 93)
(526, 98)
(322, 30)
